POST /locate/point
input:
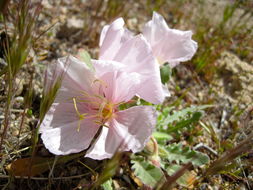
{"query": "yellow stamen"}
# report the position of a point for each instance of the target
(101, 123)
(81, 116)
(77, 112)
(96, 102)
(79, 125)
(100, 81)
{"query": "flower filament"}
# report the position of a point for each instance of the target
(104, 109)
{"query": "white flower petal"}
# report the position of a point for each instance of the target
(130, 130)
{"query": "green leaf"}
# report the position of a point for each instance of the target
(146, 172)
(180, 154)
(107, 185)
(143, 102)
(29, 112)
(186, 122)
(161, 136)
(184, 113)
(85, 57)
(165, 118)
(162, 115)
(165, 71)
(109, 169)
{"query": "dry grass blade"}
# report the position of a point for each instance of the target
(242, 148)
(52, 83)
(23, 15)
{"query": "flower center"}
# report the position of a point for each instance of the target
(103, 111)
(107, 111)
(99, 109)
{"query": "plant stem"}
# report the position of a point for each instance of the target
(7, 111)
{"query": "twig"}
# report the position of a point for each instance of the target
(172, 179)
(6, 113)
(223, 118)
(43, 178)
(21, 150)
(53, 166)
(92, 171)
(244, 174)
(201, 145)
(27, 104)
(45, 31)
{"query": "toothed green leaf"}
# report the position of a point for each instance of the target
(149, 174)
(180, 154)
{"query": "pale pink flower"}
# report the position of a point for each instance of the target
(169, 45)
(87, 101)
(129, 53)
